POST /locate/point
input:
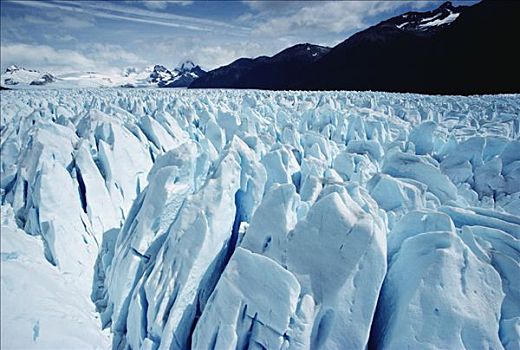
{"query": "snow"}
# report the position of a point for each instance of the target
(15, 75)
(439, 22)
(174, 219)
(148, 77)
(427, 19)
(42, 308)
(22, 79)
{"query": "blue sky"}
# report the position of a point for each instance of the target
(108, 36)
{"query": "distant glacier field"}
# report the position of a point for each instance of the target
(243, 219)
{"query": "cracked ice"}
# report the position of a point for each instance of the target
(160, 219)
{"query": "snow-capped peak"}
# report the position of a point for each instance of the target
(158, 68)
(424, 21)
(15, 75)
(440, 21)
(182, 76)
(129, 71)
(151, 76)
(186, 66)
(12, 68)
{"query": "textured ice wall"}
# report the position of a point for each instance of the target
(277, 220)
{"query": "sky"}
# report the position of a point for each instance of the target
(109, 36)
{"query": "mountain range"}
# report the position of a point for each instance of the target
(277, 72)
(181, 76)
(450, 50)
(156, 76)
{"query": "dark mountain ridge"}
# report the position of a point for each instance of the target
(449, 50)
(279, 71)
(473, 54)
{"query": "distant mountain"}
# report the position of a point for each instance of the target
(153, 76)
(44, 79)
(15, 75)
(184, 75)
(450, 50)
(276, 72)
(161, 76)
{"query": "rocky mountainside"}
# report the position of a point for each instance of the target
(181, 76)
(279, 71)
(449, 50)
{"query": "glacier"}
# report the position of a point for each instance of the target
(223, 219)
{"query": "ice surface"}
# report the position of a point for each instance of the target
(256, 219)
(241, 313)
(435, 277)
(42, 308)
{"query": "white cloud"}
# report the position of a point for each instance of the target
(55, 20)
(44, 57)
(324, 17)
(212, 57)
(419, 5)
(183, 2)
(277, 6)
(52, 38)
(155, 4)
(116, 11)
(112, 53)
(163, 4)
(97, 57)
(76, 22)
(209, 54)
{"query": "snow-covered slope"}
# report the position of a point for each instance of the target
(181, 76)
(14, 76)
(425, 21)
(42, 307)
(21, 78)
(154, 76)
(255, 219)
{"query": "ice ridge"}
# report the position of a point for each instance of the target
(230, 219)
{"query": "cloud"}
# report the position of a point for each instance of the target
(334, 17)
(116, 11)
(324, 17)
(183, 2)
(163, 4)
(96, 57)
(76, 23)
(209, 54)
(155, 4)
(44, 57)
(213, 56)
(263, 6)
(51, 38)
(55, 20)
(419, 5)
(112, 53)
